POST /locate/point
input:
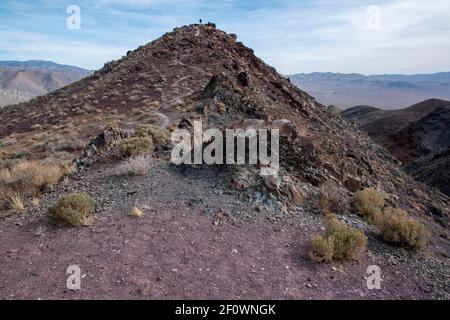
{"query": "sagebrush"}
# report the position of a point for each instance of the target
(74, 209)
(397, 227)
(369, 202)
(159, 136)
(332, 198)
(136, 146)
(135, 166)
(340, 242)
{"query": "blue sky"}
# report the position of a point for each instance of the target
(370, 37)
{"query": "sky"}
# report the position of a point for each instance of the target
(302, 36)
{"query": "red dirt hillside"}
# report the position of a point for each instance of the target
(204, 231)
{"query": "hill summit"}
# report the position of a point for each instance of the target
(199, 72)
(186, 73)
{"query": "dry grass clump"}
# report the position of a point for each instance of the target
(137, 146)
(74, 209)
(16, 202)
(32, 176)
(136, 166)
(332, 199)
(339, 242)
(159, 136)
(369, 202)
(29, 178)
(69, 145)
(397, 227)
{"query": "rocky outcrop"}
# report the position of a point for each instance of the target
(200, 72)
(100, 147)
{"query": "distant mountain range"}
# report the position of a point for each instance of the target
(22, 80)
(39, 64)
(382, 91)
(419, 136)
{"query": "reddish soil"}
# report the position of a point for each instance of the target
(180, 253)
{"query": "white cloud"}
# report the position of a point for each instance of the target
(334, 36)
(293, 36)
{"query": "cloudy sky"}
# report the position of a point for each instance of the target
(370, 37)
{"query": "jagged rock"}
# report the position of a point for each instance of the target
(185, 124)
(273, 183)
(101, 145)
(297, 197)
(352, 184)
(240, 184)
(243, 79)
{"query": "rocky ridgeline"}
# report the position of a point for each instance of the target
(321, 147)
(418, 136)
(200, 72)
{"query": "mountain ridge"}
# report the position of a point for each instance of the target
(165, 75)
(419, 136)
(389, 91)
(21, 81)
(39, 64)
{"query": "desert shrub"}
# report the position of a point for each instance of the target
(70, 145)
(369, 202)
(136, 166)
(332, 199)
(136, 146)
(29, 178)
(339, 242)
(74, 209)
(46, 178)
(397, 227)
(159, 136)
(322, 248)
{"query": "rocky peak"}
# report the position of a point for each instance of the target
(201, 72)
